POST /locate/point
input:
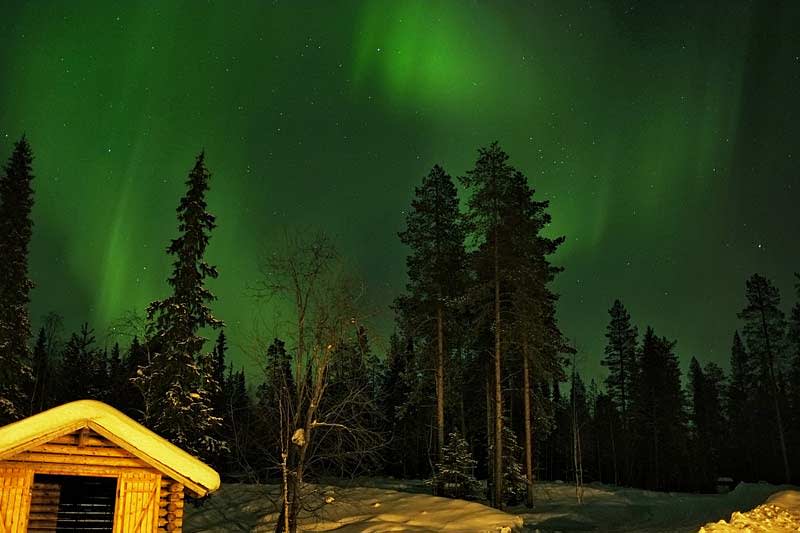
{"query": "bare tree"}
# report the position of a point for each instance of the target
(133, 325)
(577, 454)
(306, 272)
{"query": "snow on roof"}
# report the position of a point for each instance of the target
(112, 424)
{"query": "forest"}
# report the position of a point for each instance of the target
(479, 391)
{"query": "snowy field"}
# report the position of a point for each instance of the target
(382, 505)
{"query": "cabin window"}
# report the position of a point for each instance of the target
(72, 504)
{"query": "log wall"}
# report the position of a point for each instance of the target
(170, 506)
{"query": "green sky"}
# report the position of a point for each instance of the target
(665, 137)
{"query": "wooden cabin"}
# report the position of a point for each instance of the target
(84, 466)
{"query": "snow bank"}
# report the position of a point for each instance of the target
(780, 513)
(346, 510)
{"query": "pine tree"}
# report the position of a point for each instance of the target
(533, 330)
(764, 330)
(436, 273)
(489, 182)
(455, 472)
(174, 376)
(16, 227)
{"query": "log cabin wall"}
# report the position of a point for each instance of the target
(170, 506)
(32, 506)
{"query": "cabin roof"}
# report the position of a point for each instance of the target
(118, 428)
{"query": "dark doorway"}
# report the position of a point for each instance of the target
(84, 503)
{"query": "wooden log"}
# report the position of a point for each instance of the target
(176, 487)
(83, 435)
(41, 507)
(172, 515)
(42, 523)
(85, 470)
(39, 497)
(175, 496)
(64, 449)
(174, 526)
(173, 506)
(91, 440)
(35, 457)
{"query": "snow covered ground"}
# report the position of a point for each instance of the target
(375, 505)
(347, 510)
(621, 510)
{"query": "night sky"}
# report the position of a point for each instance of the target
(666, 136)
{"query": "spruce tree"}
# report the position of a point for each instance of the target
(455, 472)
(182, 410)
(81, 373)
(218, 400)
(764, 331)
(741, 413)
(436, 274)
(620, 357)
(709, 428)
(621, 361)
(16, 227)
(41, 369)
(117, 378)
(658, 415)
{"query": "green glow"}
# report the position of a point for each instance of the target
(645, 128)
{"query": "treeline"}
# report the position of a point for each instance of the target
(650, 428)
(478, 381)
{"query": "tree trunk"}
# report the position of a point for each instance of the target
(439, 381)
(526, 391)
(614, 453)
(778, 418)
(489, 434)
(498, 389)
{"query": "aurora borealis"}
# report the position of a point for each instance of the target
(665, 136)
